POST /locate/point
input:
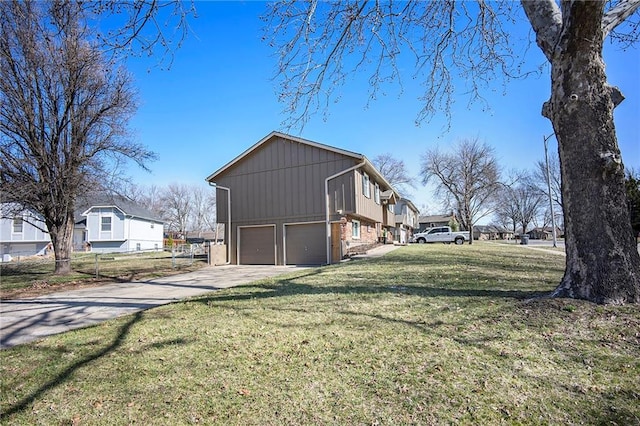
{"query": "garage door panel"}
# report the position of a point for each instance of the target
(306, 244)
(257, 245)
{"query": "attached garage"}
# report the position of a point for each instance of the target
(257, 245)
(305, 244)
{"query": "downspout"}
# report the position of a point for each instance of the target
(326, 194)
(227, 231)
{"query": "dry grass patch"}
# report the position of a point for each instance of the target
(429, 334)
(34, 276)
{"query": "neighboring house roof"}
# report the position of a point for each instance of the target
(205, 235)
(389, 196)
(485, 229)
(409, 203)
(435, 218)
(368, 166)
(126, 206)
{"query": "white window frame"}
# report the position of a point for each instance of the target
(355, 229)
(366, 188)
(376, 193)
(102, 224)
(17, 221)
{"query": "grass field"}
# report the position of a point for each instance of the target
(429, 334)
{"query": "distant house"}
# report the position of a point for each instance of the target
(110, 225)
(201, 237)
(545, 233)
(119, 225)
(288, 200)
(491, 232)
(432, 221)
(406, 218)
(22, 232)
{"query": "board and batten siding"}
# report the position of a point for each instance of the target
(282, 179)
(281, 182)
(366, 206)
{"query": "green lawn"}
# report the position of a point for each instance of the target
(429, 334)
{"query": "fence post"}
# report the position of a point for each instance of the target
(173, 257)
(97, 270)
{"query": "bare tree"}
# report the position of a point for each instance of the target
(321, 44)
(540, 178)
(64, 114)
(507, 213)
(469, 175)
(395, 172)
(528, 200)
(203, 214)
(177, 208)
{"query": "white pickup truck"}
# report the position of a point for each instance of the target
(441, 234)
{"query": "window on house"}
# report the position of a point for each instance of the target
(138, 247)
(17, 225)
(376, 193)
(105, 224)
(152, 226)
(366, 191)
(355, 229)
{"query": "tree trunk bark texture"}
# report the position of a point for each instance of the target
(62, 240)
(602, 262)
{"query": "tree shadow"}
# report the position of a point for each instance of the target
(69, 371)
(288, 287)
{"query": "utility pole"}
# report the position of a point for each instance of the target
(553, 217)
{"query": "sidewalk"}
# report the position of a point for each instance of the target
(26, 320)
(377, 252)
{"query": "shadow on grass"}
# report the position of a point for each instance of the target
(289, 287)
(61, 377)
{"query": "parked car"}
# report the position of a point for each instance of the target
(441, 234)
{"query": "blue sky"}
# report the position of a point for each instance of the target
(218, 98)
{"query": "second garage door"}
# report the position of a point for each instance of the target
(305, 244)
(257, 245)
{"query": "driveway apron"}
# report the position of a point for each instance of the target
(26, 320)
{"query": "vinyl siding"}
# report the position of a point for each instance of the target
(94, 221)
(29, 232)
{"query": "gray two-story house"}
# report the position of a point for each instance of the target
(406, 218)
(291, 201)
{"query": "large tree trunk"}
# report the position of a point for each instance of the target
(602, 263)
(62, 240)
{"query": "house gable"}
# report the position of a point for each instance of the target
(287, 186)
(280, 177)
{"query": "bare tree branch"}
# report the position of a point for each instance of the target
(618, 14)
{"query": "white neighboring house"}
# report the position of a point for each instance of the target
(122, 226)
(21, 233)
(105, 227)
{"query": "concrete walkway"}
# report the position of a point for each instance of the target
(26, 320)
(377, 251)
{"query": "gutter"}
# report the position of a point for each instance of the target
(326, 194)
(227, 231)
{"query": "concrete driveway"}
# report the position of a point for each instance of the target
(26, 320)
